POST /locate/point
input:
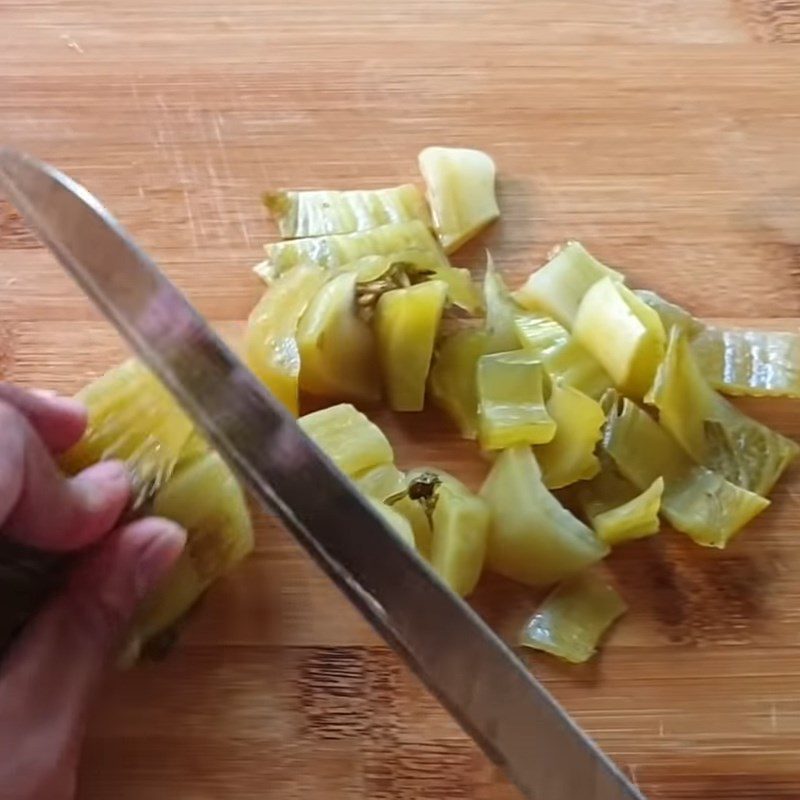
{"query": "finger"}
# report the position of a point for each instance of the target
(48, 679)
(39, 506)
(60, 421)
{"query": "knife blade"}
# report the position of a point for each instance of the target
(462, 662)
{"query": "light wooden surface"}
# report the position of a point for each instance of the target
(664, 134)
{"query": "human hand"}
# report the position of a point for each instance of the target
(52, 670)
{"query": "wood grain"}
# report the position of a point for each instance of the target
(663, 134)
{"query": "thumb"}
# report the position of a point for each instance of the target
(49, 676)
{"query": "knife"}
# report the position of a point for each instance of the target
(462, 662)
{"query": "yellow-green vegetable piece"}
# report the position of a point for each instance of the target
(460, 521)
(389, 485)
(453, 378)
(352, 441)
(204, 498)
(511, 406)
(579, 420)
(406, 324)
(696, 500)
(501, 312)
(271, 349)
(562, 357)
(573, 619)
(460, 184)
(616, 509)
(533, 538)
(623, 333)
(317, 213)
(712, 430)
(737, 361)
(558, 287)
(132, 417)
(338, 354)
(396, 521)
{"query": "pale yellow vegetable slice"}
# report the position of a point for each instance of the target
(533, 538)
(389, 485)
(511, 406)
(132, 417)
(338, 354)
(624, 334)
(501, 312)
(558, 287)
(337, 250)
(406, 324)
(453, 378)
(460, 184)
(353, 442)
(712, 430)
(697, 501)
(617, 511)
(271, 349)
(573, 619)
(317, 213)
(579, 420)
(737, 361)
(460, 523)
(563, 358)
(396, 521)
(205, 499)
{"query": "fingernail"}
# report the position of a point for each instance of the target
(67, 405)
(165, 541)
(105, 483)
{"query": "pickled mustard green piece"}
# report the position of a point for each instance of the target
(460, 523)
(511, 406)
(337, 250)
(338, 354)
(623, 333)
(712, 430)
(696, 501)
(206, 500)
(453, 379)
(579, 420)
(558, 287)
(573, 619)
(460, 185)
(406, 324)
(737, 361)
(318, 213)
(501, 312)
(396, 522)
(348, 438)
(271, 349)
(563, 358)
(132, 417)
(389, 485)
(616, 509)
(533, 538)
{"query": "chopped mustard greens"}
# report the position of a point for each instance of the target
(695, 500)
(352, 441)
(396, 521)
(319, 213)
(573, 618)
(712, 430)
(406, 324)
(558, 287)
(511, 406)
(271, 349)
(533, 538)
(460, 185)
(623, 333)
(338, 355)
(579, 420)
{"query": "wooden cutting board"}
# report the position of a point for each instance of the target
(663, 134)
